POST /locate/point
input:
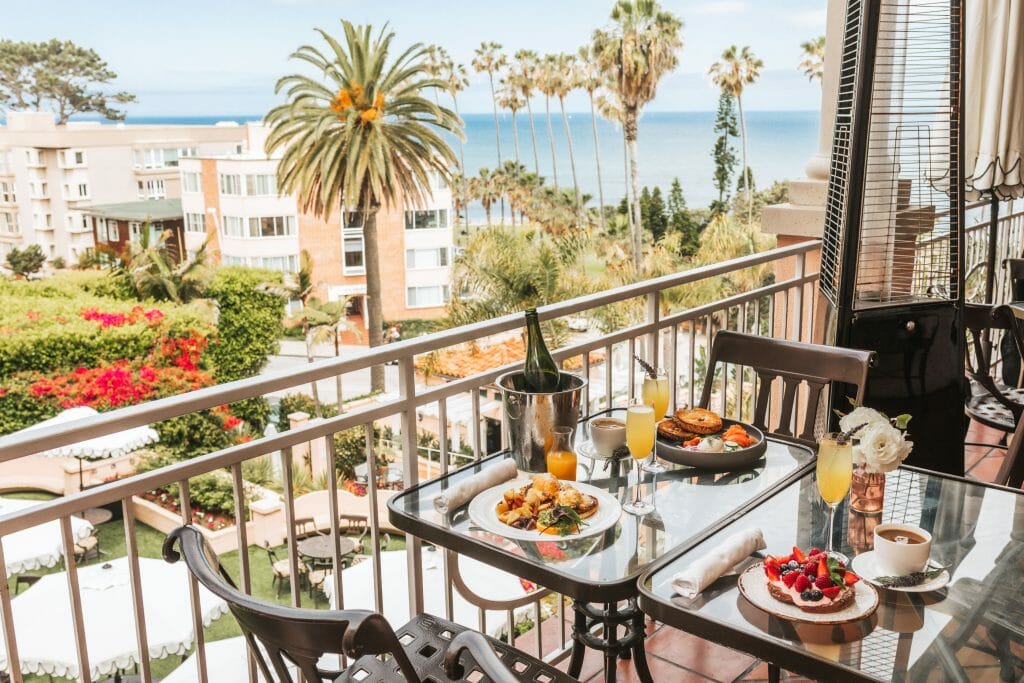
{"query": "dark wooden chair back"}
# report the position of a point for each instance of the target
(289, 636)
(980, 321)
(795, 363)
(1011, 473)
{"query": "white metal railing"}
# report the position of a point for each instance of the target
(782, 309)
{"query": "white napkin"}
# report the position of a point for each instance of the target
(705, 571)
(481, 481)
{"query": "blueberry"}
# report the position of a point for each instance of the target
(816, 595)
(806, 595)
(793, 564)
(786, 570)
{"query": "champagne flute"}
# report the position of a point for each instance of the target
(654, 393)
(834, 472)
(640, 428)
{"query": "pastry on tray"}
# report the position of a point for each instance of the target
(546, 505)
(813, 581)
(672, 429)
(699, 420)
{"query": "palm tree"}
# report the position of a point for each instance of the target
(150, 267)
(589, 78)
(611, 110)
(524, 77)
(546, 83)
(455, 80)
(564, 81)
(435, 61)
(639, 48)
(364, 137)
(484, 188)
(509, 98)
(812, 62)
(323, 322)
(737, 69)
(489, 58)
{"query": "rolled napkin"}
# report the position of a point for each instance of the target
(705, 571)
(464, 491)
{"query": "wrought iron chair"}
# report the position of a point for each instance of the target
(425, 649)
(282, 568)
(795, 363)
(992, 402)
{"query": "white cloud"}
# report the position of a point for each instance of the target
(717, 7)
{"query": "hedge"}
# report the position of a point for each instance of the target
(248, 322)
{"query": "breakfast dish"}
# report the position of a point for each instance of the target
(684, 438)
(672, 429)
(546, 504)
(813, 581)
(699, 420)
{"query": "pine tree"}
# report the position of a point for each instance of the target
(724, 153)
(657, 219)
(680, 220)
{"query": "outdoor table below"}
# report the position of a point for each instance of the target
(978, 533)
(322, 547)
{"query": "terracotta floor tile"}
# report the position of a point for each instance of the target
(702, 656)
(987, 468)
(661, 670)
(593, 665)
(979, 433)
(973, 454)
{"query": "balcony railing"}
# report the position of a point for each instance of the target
(675, 339)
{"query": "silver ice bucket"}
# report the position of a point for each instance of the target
(531, 417)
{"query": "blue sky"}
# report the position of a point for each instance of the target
(190, 57)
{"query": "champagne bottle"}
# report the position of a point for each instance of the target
(541, 373)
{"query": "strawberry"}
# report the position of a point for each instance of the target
(802, 583)
(831, 592)
(849, 578)
(798, 555)
(822, 566)
(790, 578)
(823, 581)
(772, 572)
(811, 569)
(814, 551)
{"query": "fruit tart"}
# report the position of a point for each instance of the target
(813, 581)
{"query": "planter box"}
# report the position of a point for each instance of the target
(164, 521)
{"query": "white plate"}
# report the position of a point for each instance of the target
(866, 567)
(753, 584)
(481, 512)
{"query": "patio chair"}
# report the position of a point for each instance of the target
(281, 568)
(425, 649)
(354, 525)
(992, 402)
(306, 526)
(794, 363)
(87, 548)
(1011, 472)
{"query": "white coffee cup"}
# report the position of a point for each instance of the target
(898, 554)
(607, 434)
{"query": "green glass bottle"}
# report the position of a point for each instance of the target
(541, 373)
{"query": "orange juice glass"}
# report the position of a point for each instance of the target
(561, 459)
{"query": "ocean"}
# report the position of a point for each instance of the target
(671, 145)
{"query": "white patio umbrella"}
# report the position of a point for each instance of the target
(486, 581)
(107, 446)
(39, 546)
(43, 624)
(225, 663)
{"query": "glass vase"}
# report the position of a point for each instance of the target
(867, 491)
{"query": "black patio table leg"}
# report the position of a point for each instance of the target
(610, 616)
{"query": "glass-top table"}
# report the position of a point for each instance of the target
(978, 532)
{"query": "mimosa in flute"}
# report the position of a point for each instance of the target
(654, 393)
(834, 472)
(640, 430)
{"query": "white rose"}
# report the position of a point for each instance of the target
(861, 416)
(882, 447)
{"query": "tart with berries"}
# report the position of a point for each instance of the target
(812, 581)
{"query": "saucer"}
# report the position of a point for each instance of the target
(864, 565)
(588, 450)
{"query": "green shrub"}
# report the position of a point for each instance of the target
(300, 402)
(194, 434)
(249, 321)
(19, 410)
(350, 450)
(212, 491)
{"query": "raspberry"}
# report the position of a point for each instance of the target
(823, 582)
(802, 583)
(811, 569)
(790, 578)
(813, 552)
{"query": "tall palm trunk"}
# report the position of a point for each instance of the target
(515, 142)
(317, 410)
(625, 171)
(487, 211)
(497, 134)
(533, 135)
(597, 156)
(551, 140)
(572, 157)
(337, 378)
(462, 142)
(743, 173)
(630, 131)
(374, 307)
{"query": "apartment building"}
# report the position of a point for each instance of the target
(50, 174)
(232, 200)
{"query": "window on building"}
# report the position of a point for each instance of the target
(426, 258)
(190, 182)
(135, 230)
(79, 157)
(353, 220)
(152, 189)
(156, 157)
(5, 162)
(9, 223)
(234, 226)
(432, 295)
(7, 192)
(261, 185)
(230, 184)
(83, 189)
(188, 151)
(284, 264)
(353, 247)
(113, 231)
(39, 189)
(195, 222)
(271, 226)
(84, 222)
(430, 219)
(33, 157)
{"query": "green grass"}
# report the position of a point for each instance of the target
(150, 542)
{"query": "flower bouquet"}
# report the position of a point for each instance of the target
(882, 445)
